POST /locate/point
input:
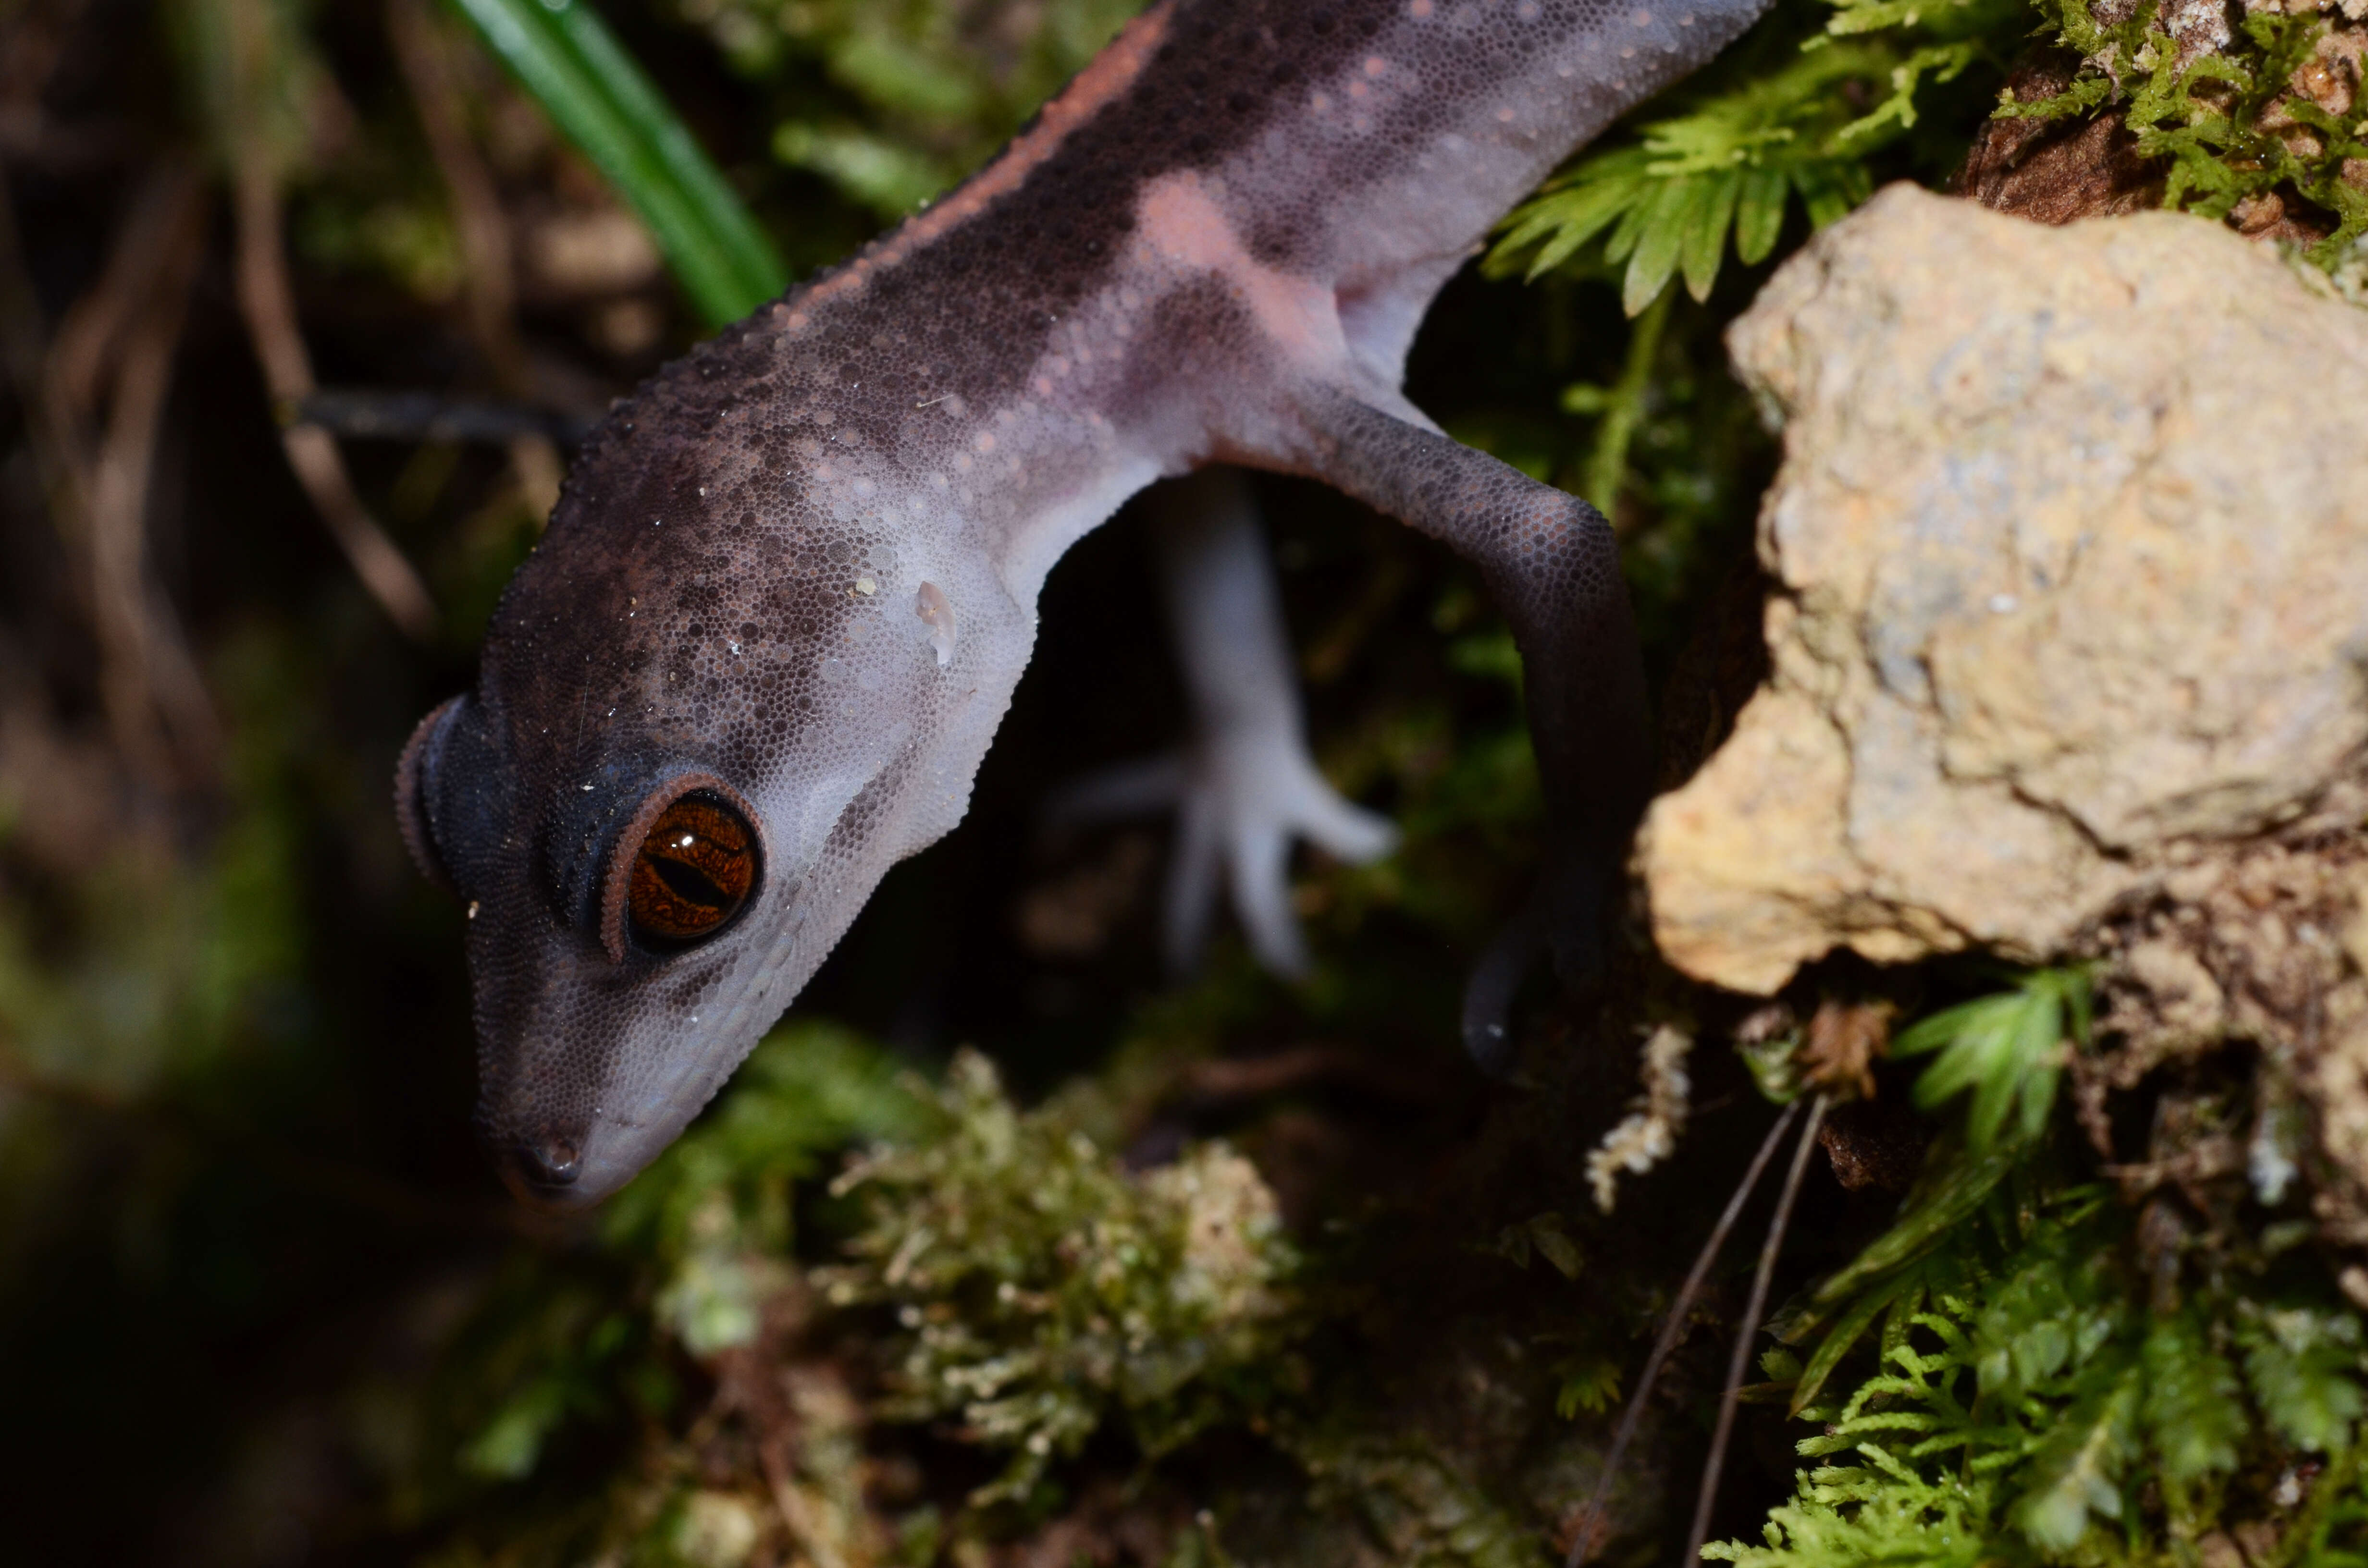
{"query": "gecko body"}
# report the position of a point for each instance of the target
(792, 582)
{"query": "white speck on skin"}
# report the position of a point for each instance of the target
(2004, 603)
(865, 586)
(936, 612)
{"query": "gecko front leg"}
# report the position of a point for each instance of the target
(1551, 563)
(1243, 787)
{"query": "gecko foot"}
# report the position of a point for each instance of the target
(1239, 802)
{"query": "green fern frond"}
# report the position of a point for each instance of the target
(2079, 1470)
(2036, 1402)
(2303, 1365)
(2007, 1050)
(1748, 140)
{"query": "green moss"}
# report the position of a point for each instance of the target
(2228, 122)
(1041, 1290)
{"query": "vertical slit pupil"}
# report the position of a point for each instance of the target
(694, 870)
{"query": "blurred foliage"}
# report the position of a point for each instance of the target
(927, 89)
(153, 972)
(1415, 1502)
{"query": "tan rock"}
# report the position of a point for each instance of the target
(2072, 546)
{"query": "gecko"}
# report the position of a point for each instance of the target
(791, 581)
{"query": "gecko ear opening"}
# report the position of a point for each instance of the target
(415, 774)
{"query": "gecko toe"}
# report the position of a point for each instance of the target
(1259, 869)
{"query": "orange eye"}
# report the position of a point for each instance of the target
(695, 869)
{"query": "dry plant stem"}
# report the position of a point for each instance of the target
(1671, 1331)
(149, 248)
(269, 305)
(753, 1386)
(116, 347)
(147, 671)
(423, 49)
(1740, 1361)
(57, 458)
(790, 1504)
(31, 38)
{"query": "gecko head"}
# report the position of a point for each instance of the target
(699, 737)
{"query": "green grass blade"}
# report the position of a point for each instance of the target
(567, 59)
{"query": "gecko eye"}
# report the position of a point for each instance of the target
(693, 872)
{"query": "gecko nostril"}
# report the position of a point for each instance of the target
(549, 1164)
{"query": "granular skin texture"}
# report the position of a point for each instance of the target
(804, 561)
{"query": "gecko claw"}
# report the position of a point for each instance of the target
(1563, 919)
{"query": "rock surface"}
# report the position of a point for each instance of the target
(2071, 547)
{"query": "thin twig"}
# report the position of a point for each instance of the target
(1671, 1331)
(24, 348)
(116, 347)
(269, 303)
(423, 50)
(371, 413)
(1740, 1361)
(150, 245)
(147, 671)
